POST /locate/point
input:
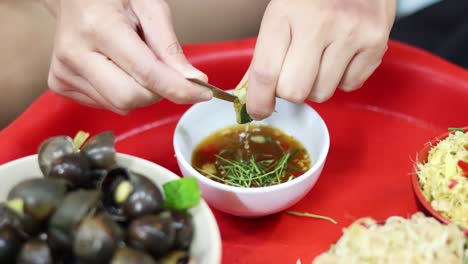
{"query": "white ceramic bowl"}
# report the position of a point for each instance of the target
(206, 247)
(300, 121)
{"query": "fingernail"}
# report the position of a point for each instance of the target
(191, 72)
(206, 95)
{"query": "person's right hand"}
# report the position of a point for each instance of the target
(120, 55)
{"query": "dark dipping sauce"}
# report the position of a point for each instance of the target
(250, 156)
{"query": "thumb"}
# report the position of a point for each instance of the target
(156, 22)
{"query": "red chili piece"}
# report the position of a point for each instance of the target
(452, 183)
(464, 166)
(363, 224)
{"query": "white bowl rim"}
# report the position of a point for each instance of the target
(215, 254)
(320, 161)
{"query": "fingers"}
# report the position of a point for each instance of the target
(81, 98)
(156, 22)
(333, 64)
(64, 82)
(300, 68)
(271, 47)
(101, 60)
(112, 88)
(124, 47)
(360, 69)
(112, 83)
(71, 92)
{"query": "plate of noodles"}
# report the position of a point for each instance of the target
(417, 240)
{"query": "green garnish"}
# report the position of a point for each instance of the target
(182, 194)
(79, 139)
(258, 139)
(305, 214)
(456, 129)
(242, 117)
(255, 171)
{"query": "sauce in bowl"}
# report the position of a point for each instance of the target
(250, 156)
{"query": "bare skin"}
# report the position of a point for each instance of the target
(125, 54)
(306, 49)
(24, 67)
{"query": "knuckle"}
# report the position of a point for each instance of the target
(355, 81)
(349, 86)
(296, 96)
(350, 26)
(263, 76)
(293, 97)
(144, 75)
(377, 40)
(173, 50)
(57, 83)
(125, 100)
(90, 23)
(320, 97)
(65, 54)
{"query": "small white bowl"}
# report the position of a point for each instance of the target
(206, 246)
(300, 121)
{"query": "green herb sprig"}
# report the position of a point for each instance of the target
(252, 172)
(456, 129)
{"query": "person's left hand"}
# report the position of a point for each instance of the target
(308, 48)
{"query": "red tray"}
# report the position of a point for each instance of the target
(375, 133)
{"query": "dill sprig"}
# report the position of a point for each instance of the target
(456, 129)
(253, 171)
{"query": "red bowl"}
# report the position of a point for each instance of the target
(421, 157)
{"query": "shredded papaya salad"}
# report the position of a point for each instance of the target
(444, 178)
(417, 240)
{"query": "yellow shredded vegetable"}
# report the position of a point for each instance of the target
(443, 182)
(418, 240)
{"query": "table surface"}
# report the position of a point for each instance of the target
(375, 134)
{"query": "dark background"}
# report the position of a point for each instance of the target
(441, 28)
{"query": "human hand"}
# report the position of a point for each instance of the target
(307, 48)
(120, 55)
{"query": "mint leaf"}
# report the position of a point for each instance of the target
(182, 194)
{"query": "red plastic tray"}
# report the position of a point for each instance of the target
(375, 134)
